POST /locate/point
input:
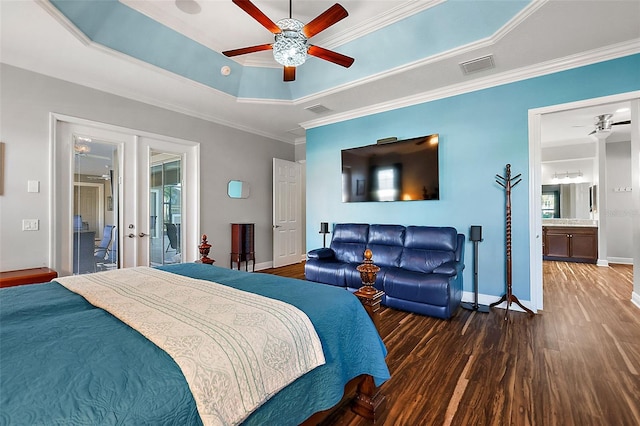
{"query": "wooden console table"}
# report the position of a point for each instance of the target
(242, 248)
(26, 276)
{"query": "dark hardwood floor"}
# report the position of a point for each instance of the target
(575, 363)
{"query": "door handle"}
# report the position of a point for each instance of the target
(276, 226)
(131, 235)
(142, 234)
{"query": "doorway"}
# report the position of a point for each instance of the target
(536, 181)
(107, 196)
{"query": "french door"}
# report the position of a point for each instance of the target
(148, 188)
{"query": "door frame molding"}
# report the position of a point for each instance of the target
(62, 162)
(535, 184)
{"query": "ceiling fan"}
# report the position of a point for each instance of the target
(604, 122)
(290, 47)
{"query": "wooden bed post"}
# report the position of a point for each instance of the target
(369, 402)
(204, 248)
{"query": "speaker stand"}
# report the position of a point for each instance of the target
(475, 306)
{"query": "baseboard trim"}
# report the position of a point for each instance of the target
(635, 299)
(486, 299)
(602, 262)
(621, 260)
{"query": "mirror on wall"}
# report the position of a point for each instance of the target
(566, 201)
(238, 189)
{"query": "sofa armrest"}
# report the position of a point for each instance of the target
(451, 268)
(321, 253)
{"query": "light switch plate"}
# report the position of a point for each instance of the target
(33, 186)
(30, 224)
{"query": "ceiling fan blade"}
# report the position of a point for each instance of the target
(621, 122)
(326, 19)
(331, 56)
(257, 14)
(245, 50)
(289, 73)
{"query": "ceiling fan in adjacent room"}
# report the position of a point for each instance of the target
(291, 36)
(604, 122)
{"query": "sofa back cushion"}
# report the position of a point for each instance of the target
(349, 241)
(386, 241)
(427, 247)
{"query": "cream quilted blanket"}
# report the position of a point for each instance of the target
(235, 349)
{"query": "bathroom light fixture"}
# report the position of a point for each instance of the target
(567, 175)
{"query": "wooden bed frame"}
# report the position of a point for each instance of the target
(366, 399)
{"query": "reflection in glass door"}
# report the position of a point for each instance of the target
(165, 206)
(95, 206)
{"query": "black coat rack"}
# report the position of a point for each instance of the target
(507, 182)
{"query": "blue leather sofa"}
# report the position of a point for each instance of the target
(420, 266)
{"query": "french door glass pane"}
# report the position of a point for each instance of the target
(95, 206)
(165, 201)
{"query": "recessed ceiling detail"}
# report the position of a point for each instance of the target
(443, 27)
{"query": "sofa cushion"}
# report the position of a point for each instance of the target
(386, 241)
(325, 271)
(431, 238)
(427, 247)
(417, 286)
(321, 253)
(349, 241)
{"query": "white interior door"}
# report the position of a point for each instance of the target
(130, 201)
(287, 216)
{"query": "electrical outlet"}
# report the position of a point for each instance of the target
(30, 224)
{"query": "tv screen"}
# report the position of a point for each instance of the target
(406, 170)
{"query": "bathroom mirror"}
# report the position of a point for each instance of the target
(238, 189)
(566, 201)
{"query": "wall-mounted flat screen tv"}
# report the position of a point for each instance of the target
(405, 170)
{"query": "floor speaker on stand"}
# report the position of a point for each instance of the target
(475, 236)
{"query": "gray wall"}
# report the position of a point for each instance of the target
(620, 211)
(226, 153)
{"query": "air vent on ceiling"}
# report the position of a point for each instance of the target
(318, 109)
(478, 64)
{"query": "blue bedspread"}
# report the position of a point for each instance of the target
(63, 361)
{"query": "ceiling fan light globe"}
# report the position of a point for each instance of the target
(290, 47)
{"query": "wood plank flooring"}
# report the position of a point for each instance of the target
(575, 363)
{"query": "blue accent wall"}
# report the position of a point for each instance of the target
(480, 132)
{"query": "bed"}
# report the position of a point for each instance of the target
(65, 361)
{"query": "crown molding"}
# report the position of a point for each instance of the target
(368, 26)
(574, 61)
(65, 22)
(157, 102)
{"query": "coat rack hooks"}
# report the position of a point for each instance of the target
(508, 182)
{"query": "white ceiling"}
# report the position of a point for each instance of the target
(546, 36)
(574, 127)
